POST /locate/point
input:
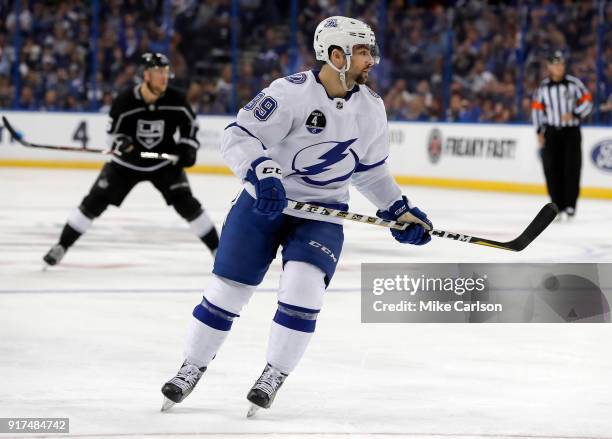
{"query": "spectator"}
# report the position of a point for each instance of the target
(107, 100)
(484, 61)
(223, 89)
(6, 92)
(26, 100)
(50, 102)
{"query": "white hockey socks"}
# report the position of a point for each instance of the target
(286, 347)
(203, 342)
(299, 300)
(78, 221)
(201, 225)
(213, 318)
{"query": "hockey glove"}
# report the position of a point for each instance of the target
(123, 146)
(417, 232)
(265, 175)
(187, 156)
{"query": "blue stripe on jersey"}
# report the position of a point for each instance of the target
(361, 167)
(235, 124)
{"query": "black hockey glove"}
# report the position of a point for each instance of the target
(187, 156)
(123, 146)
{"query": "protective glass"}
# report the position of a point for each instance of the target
(374, 51)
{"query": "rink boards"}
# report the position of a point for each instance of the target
(463, 156)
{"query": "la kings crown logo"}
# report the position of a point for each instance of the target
(150, 132)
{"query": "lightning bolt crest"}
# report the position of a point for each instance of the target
(328, 159)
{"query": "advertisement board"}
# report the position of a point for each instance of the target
(469, 156)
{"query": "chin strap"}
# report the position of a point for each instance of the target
(342, 71)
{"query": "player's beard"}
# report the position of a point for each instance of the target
(157, 91)
(361, 78)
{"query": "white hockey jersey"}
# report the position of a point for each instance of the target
(321, 143)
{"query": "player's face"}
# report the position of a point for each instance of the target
(361, 63)
(157, 79)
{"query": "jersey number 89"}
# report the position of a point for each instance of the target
(263, 107)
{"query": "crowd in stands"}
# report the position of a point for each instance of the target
(476, 62)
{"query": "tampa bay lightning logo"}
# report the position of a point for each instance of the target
(325, 163)
(298, 78)
(602, 155)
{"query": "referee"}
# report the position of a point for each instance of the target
(558, 106)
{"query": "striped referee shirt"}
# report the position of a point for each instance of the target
(554, 99)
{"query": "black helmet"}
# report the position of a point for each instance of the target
(151, 60)
(556, 57)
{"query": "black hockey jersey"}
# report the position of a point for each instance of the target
(153, 127)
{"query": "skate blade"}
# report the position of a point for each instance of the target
(252, 410)
(167, 405)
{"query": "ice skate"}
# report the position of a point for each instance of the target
(54, 255)
(264, 390)
(179, 387)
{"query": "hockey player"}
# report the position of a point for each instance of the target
(145, 118)
(304, 138)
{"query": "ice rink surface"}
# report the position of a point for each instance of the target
(95, 338)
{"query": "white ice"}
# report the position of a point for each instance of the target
(95, 338)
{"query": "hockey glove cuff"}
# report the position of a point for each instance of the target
(265, 175)
(418, 231)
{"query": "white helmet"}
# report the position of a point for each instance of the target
(344, 33)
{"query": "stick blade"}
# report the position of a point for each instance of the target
(14, 133)
(542, 220)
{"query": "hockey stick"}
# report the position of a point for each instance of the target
(19, 138)
(156, 155)
(546, 215)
